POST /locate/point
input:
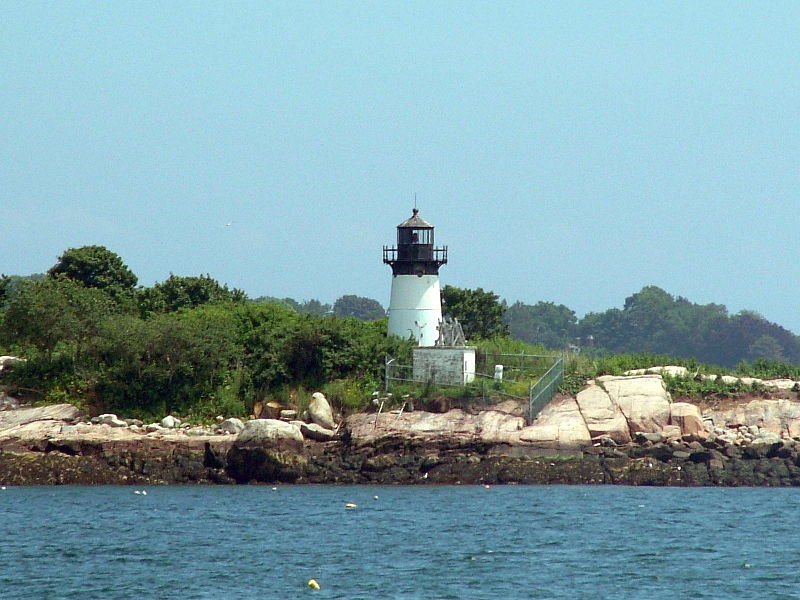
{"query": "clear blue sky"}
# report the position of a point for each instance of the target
(566, 151)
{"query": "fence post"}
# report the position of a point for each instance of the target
(389, 361)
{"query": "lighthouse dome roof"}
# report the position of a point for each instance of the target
(415, 222)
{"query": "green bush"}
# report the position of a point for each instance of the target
(350, 395)
(767, 369)
(697, 388)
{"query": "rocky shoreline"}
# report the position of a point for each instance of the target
(619, 431)
(398, 461)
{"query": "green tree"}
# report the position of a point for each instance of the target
(656, 322)
(480, 313)
(766, 347)
(170, 362)
(265, 332)
(10, 283)
(289, 303)
(314, 307)
(186, 292)
(95, 267)
(546, 323)
(54, 311)
(363, 309)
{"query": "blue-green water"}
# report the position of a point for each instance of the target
(226, 543)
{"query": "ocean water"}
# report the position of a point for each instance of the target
(449, 542)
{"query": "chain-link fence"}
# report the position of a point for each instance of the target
(527, 378)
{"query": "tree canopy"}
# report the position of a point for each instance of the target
(363, 309)
(186, 292)
(480, 313)
(654, 321)
(193, 345)
(546, 323)
(96, 267)
(306, 307)
(47, 312)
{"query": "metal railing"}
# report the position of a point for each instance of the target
(482, 387)
(516, 364)
(545, 388)
(414, 252)
(547, 373)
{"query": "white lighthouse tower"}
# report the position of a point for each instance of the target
(415, 307)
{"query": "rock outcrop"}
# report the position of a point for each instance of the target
(602, 416)
(488, 426)
(559, 426)
(776, 416)
(54, 414)
(642, 399)
(312, 431)
(267, 431)
(687, 417)
(233, 426)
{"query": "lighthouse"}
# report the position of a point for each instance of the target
(415, 307)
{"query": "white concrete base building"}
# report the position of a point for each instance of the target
(445, 366)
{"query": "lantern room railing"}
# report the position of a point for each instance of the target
(414, 253)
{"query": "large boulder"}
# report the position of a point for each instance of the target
(8, 402)
(8, 361)
(267, 450)
(267, 431)
(488, 425)
(315, 432)
(602, 416)
(780, 384)
(29, 414)
(170, 422)
(231, 426)
(687, 417)
(111, 420)
(559, 426)
(642, 399)
(775, 384)
(320, 412)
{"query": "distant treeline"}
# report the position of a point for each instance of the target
(654, 321)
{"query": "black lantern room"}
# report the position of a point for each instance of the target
(415, 253)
